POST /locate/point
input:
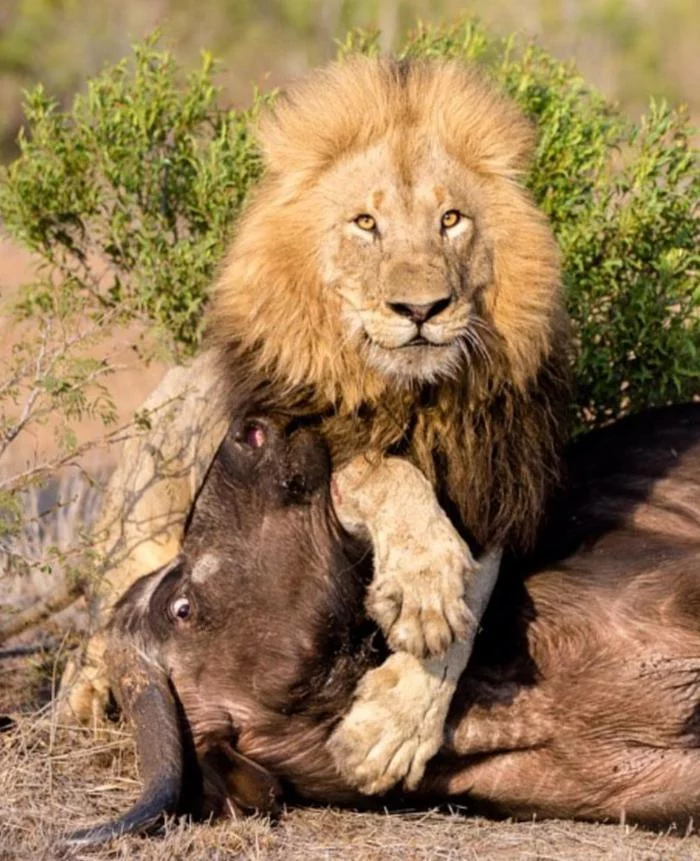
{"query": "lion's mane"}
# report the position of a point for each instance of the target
(488, 439)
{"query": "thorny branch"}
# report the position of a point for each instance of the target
(38, 402)
(34, 394)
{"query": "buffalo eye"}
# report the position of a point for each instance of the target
(254, 435)
(181, 609)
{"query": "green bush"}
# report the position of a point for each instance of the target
(131, 194)
(147, 172)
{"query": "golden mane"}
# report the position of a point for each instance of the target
(489, 440)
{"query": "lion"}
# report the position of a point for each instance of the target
(392, 277)
(392, 282)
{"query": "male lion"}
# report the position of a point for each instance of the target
(392, 282)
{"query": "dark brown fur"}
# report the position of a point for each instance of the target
(493, 458)
(582, 698)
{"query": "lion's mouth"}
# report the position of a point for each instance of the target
(417, 341)
(420, 341)
(416, 360)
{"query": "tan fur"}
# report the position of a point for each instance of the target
(301, 288)
(317, 312)
(305, 312)
(144, 514)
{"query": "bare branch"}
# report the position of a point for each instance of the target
(33, 396)
(115, 436)
(45, 364)
(23, 620)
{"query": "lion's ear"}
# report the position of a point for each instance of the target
(269, 137)
(513, 154)
(288, 136)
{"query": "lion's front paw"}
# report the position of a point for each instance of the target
(417, 595)
(84, 690)
(394, 727)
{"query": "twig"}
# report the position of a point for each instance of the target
(114, 437)
(26, 650)
(22, 621)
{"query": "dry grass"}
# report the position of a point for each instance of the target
(53, 779)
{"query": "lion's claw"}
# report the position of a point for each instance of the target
(424, 622)
(417, 596)
(394, 727)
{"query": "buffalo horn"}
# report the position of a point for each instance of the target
(154, 713)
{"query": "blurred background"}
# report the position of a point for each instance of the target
(630, 49)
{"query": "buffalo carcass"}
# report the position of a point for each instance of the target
(583, 695)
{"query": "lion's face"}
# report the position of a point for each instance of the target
(406, 253)
(391, 241)
(392, 276)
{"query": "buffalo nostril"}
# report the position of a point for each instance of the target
(420, 313)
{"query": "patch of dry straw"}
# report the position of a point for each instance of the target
(54, 779)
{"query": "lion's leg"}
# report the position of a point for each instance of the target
(421, 564)
(397, 719)
(84, 690)
(428, 596)
(148, 500)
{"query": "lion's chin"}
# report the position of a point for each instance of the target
(416, 363)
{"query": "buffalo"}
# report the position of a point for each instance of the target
(582, 698)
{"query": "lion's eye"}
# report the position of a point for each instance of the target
(451, 218)
(180, 608)
(365, 222)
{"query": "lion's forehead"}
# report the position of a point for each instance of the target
(410, 185)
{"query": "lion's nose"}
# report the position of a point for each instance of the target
(420, 313)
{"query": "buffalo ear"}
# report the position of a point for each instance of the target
(243, 784)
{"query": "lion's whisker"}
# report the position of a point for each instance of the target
(479, 323)
(475, 341)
